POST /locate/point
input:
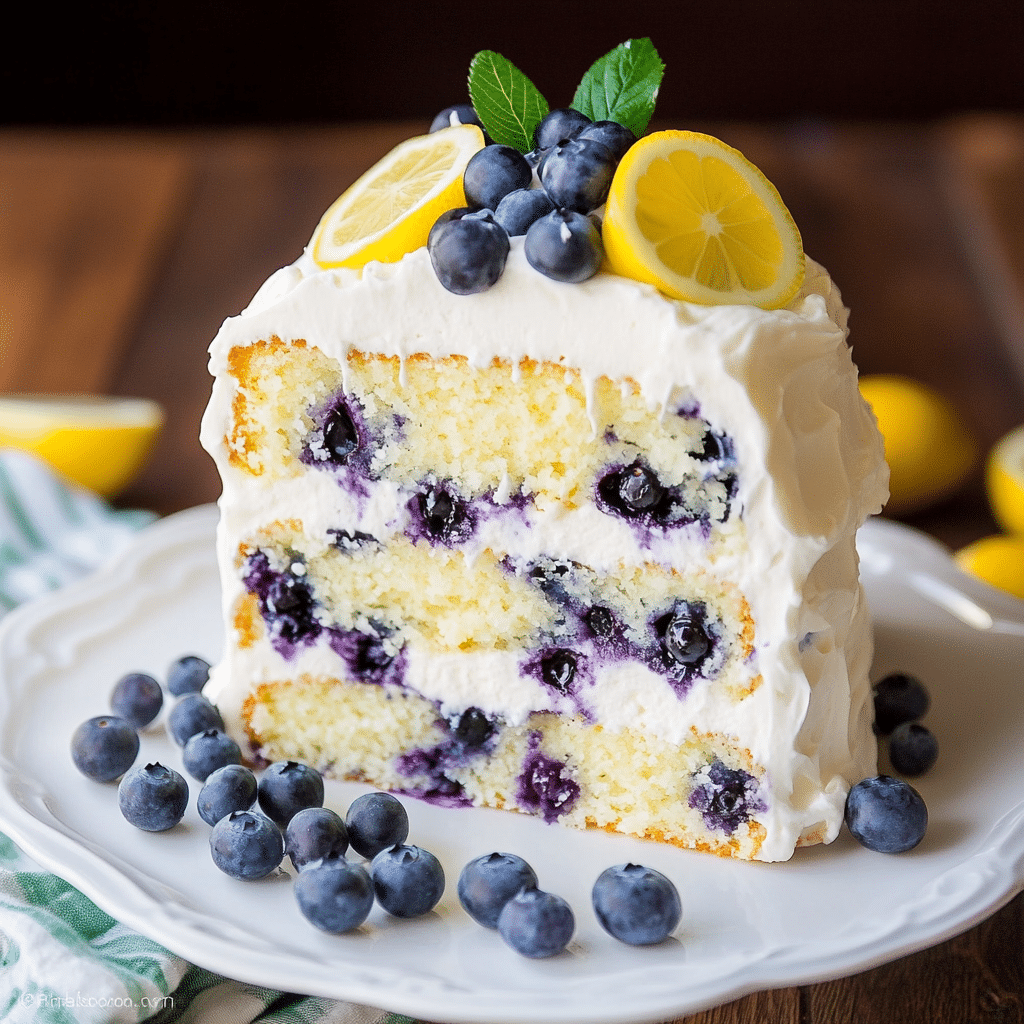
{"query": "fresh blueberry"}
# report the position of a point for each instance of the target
(286, 787)
(407, 880)
(231, 788)
(313, 834)
(519, 209)
(153, 797)
(443, 514)
(617, 137)
(913, 749)
(886, 815)
(564, 245)
(468, 251)
(558, 669)
(104, 747)
(559, 124)
(335, 895)
(536, 924)
(577, 174)
(472, 728)
(207, 751)
(636, 905)
(639, 489)
(191, 714)
(453, 116)
(899, 698)
(246, 845)
(374, 822)
(187, 675)
(340, 437)
(489, 882)
(137, 698)
(686, 640)
(493, 172)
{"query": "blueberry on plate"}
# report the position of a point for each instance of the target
(286, 787)
(519, 209)
(467, 250)
(104, 748)
(315, 833)
(408, 881)
(886, 815)
(578, 173)
(635, 904)
(187, 674)
(913, 749)
(564, 245)
(374, 822)
(246, 845)
(191, 714)
(335, 895)
(487, 883)
(207, 751)
(617, 137)
(137, 698)
(153, 797)
(492, 173)
(230, 788)
(556, 125)
(899, 698)
(536, 924)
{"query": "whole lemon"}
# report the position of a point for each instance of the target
(1004, 481)
(928, 445)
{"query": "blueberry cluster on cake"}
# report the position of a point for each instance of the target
(577, 550)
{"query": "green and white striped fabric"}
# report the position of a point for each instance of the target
(62, 959)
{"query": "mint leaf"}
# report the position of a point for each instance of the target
(508, 103)
(622, 86)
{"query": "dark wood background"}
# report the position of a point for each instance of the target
(228, 62)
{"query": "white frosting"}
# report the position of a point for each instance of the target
(781, 383)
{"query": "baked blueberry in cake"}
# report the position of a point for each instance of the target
(577, 548)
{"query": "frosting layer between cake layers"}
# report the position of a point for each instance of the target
(550, 524)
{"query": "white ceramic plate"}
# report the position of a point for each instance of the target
(830, 911)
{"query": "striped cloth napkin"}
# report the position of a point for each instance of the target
(62, 959)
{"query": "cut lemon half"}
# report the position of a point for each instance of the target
(928, 445)
(695, 218)
(1004, 481)
(998, 560)
(96, 442)
(390, 210)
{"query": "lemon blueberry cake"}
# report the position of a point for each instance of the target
(569, 546)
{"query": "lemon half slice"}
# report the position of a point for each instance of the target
(998, 560)
(390, 210)
(700, 222)
(1004, 481)
(96, 442)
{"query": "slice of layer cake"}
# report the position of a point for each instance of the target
(580, 551)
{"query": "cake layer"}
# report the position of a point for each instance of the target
(702, 792)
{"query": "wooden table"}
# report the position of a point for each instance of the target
(122, 252)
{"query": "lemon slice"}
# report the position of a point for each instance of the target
(390, 210)
(998, 560)
(1004, 481)
(928, 445)
(700, 222)
(96, 442)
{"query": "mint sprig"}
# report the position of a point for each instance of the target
(622, 86)
(507, 102)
